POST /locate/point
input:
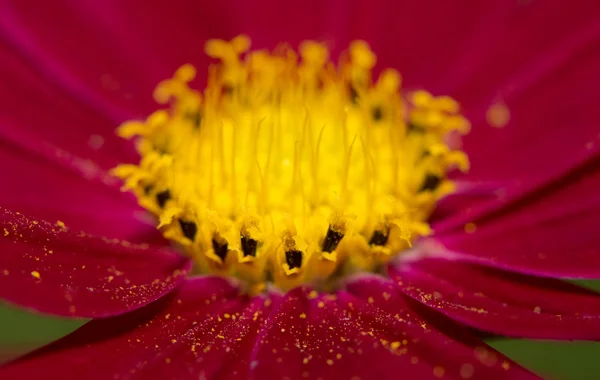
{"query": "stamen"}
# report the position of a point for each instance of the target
(378, 238)
(220, 248)
(293, 259)
(332, 239)
(162, 198)
(430, 183)
(248, 246)
(189, 229)
(281, 147)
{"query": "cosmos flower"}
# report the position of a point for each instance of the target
(345, 259)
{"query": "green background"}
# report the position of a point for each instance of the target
(21, 331)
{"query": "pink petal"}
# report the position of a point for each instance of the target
(54, 270)
(49, 182)
(503, 303)
(553, 232)
(46, 190)
(553, 128)
(343, 337)
(204, 329)
(37, 114)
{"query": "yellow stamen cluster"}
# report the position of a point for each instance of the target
(290, 169)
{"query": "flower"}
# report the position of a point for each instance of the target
(492, 263)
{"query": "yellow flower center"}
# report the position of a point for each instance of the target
(291, 169)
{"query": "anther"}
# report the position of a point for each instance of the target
(353, 94)
(378, 238)
(220, 248)
(189, 229)
(248, 246)
(148, 189)
(377, 113)
(413, 128)
(430, 183)
(162, 198)
(195, 117)
(293, 259)
(332, 239)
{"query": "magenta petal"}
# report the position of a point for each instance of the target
(345, 337)
(553, 232)
(54, 270)
(203, 330)
(503, 303)
(45, 190)
(35, 109)
(553, 129)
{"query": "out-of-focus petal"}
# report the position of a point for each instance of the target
(37, 114)
(51, 269)
(204, 329)
(552, 130)
(503, 303)
(553, 232)
(77, 193)
(345, 336)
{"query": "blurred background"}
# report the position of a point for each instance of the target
(22, 331)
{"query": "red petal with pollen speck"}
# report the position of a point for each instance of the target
(206, 329)
(344, 336)
(55, 152)
(38, 113)
(503, 303)
(45, 190)
(54, 270)
(553, 129)
(203, 330)
(434, 340)
(553, 232)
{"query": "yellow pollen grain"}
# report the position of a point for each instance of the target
(291, 168)
(303, 316)
(329, 361)
(438, 371)
(498, 115)
(395, 345)
(505, 365)
(466, 371)
(470, 227)
(35, 274)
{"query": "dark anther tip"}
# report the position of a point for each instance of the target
(148, 189)
(220, 249)
(189, 229)
(195, 117)
(377, 113)
(162, 198)
(378, 238)
(413, 128)
(430, 183)
(249, 246)
(332, 239)
(293, 258)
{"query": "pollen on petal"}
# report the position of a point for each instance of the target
(498, 115)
